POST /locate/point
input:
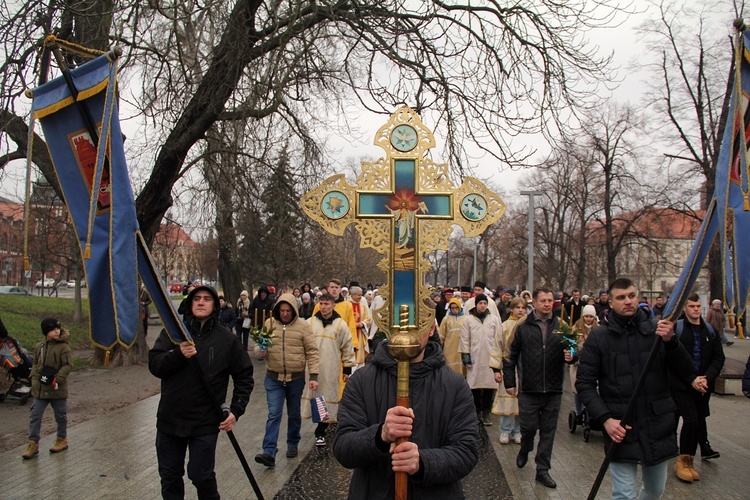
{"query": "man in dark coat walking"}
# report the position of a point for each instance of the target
(441, 425)
(704, 346)
(610, 364)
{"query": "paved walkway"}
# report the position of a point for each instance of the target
(113, 457)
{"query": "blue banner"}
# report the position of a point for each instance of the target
(728, 213)
(105, 222)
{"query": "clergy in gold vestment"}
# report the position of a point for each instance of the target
(450, 334)
(362, 319)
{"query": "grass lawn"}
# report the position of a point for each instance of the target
(22, 316)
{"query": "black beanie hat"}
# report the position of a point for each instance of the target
(480, 297)
(49, 324)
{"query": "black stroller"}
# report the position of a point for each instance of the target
(17, 363)
(584, 421)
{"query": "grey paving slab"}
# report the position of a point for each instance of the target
(113, 457)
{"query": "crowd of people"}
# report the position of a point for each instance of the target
(490, 353)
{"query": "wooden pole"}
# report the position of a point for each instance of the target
(404, 346)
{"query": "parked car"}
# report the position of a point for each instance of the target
(13, 290)
(72, 283)
(62, 284)
(175, 287)
(47, 283)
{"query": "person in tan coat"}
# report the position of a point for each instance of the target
(450, 335)
(294, 348)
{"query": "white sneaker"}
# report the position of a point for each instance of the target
(504, 438)
(517, 439)
(320, 441)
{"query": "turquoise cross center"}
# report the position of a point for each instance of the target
(405, 206)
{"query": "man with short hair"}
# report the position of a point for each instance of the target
(572, 308)
(702, 342)
(602, 307)
(658, 307)
(440, 424)
(189, 417)
(344, 309)
(293, 350)
(539, 355)
(610, 365)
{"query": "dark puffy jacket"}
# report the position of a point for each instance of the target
(541, 364)
(712, 356)
(611, 362)
(228, 316)
(445, 427)
(261, 307)
(185, 408)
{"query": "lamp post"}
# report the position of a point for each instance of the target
(530, 275)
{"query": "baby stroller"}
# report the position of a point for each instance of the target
(584, 421)
(18, 365)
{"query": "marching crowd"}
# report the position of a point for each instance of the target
(489, 353)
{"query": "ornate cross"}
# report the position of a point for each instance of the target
(404, 206)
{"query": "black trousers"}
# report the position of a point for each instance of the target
(170, 453)
(539, 411)
(483, 399)
(693, 407)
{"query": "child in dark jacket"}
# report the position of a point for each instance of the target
(53, 361)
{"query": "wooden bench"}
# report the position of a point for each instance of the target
(729, 382)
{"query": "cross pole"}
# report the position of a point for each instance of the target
(404, 206)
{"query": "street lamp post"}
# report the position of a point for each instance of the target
(530, 276)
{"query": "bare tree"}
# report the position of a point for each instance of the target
(690, 92)
(451, 58)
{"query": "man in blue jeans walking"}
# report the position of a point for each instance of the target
(611, 362)
(294, 347)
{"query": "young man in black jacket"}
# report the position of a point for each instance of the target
(611, 362)
(189, 415)
(703, 344)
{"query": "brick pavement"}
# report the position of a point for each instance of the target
(113, 457)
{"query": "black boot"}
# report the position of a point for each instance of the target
(707, 452)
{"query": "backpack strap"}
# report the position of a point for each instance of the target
(681, 325)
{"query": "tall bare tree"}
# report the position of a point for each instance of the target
(450, 58)
(689, 93)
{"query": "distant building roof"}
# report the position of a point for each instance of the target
(173, 235)
(11, 209)
(662, 223)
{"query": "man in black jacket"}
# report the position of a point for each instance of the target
(539, 354)
(611, 362)
(704, 345)
(189, 415)
(440, 423)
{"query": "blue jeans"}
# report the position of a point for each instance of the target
(510, 424)
(59, 406)
(170, 453)
(276, 393)
(625, 477)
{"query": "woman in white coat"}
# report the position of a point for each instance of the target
(477, 338)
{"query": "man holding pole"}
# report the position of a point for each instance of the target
(189, 417)
(612, 357)
(440, 424)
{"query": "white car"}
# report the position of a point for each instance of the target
(48, 282)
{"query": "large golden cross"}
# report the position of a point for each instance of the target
(404, 207)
